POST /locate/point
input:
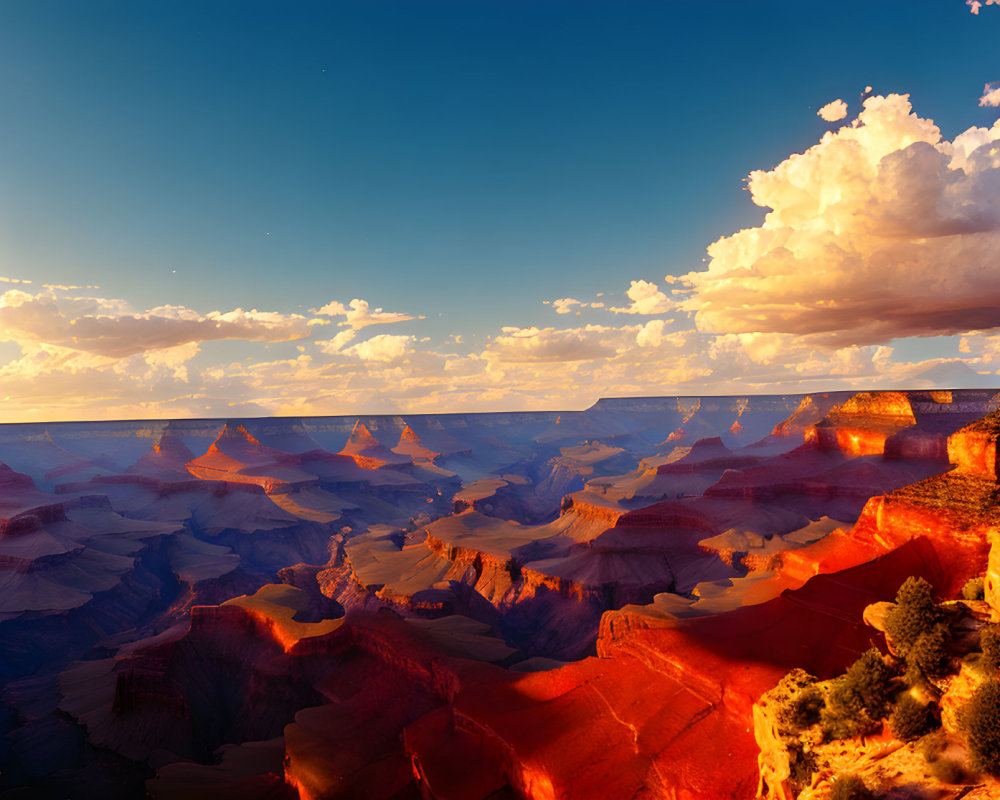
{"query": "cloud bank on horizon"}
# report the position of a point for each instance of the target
(880, 232)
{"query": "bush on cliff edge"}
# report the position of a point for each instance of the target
(981, 722)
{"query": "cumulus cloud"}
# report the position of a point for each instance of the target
(833, 111)
(359, 314)
(564, 305)
(112, 329)
(334, 345)
(646, 299)
(551, 344)
(991, 94)
(883, 229)
(385, 347)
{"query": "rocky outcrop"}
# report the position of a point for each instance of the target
(368, 452)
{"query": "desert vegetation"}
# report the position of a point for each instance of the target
(929, 706)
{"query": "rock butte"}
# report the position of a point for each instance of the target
(546, 605)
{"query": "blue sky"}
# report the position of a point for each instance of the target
(463, 162)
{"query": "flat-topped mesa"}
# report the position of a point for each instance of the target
(899, 425)
(862, 425)
(974, 449)
(276, 608)
(368, 452)
(587, 506)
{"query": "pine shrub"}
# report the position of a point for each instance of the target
(858, 699)
(913, 614)
(982, 726)
(989, 643)
(910, 719)
(929, 652)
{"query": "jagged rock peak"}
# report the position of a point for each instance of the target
(169, 442)
(408, 435)
(233, 430)
(12, 479)
(361, 436)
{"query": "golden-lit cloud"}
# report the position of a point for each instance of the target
(112, 329)
(566, 345)
(881, 230)
(647, 298)
(833, 111)
(564, 305)
(991, 95)
(384, 347)
(359, 314)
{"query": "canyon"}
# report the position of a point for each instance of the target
(496, 605)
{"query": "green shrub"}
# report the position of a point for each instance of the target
(981, 721)
(804, 710)
(858, 699)
(913, 614)
(973, 589)
(910, 719)
(929, 652)
(849, 787)
(798, 701)
(989, 643)
(866, 682)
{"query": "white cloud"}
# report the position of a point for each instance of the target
(564, 305)
(646, 299)
(360, 315)
(991, 95)
(385, 347)
(334, 345)
(880, 230)
(833, 111)
(112, 329)
(651, 334)
(550, 344)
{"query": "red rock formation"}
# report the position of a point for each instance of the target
(167, 460)
(411, 445)
(974, 449)
(368, 452)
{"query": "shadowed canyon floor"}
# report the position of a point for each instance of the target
(544, 605)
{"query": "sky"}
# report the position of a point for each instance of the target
(231, 209)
